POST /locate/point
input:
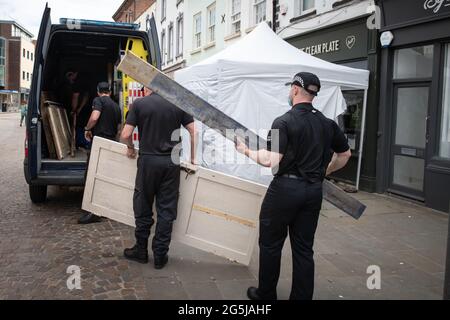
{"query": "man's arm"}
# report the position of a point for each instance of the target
(95, 115)
(74, 102)
(263, 157)
(126, 137)
(193, 133)
(338, 162)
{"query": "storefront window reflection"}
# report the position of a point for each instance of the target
(350, 120)
(444, 150)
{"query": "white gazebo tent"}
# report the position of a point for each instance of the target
(246, 81)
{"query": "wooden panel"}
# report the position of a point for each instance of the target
(217, 213)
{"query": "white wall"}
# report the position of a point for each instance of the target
(223, 34)
(26, 63)
(325, 15)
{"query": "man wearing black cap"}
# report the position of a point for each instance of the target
(300, 146)
(105, 122)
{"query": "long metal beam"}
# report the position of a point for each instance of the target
(200, 109)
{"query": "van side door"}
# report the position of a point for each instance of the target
(33, 123)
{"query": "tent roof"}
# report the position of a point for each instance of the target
(263, 47)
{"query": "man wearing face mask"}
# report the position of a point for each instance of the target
(300, 147)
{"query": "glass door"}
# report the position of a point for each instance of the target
(408, 150)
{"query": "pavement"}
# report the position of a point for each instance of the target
(38, 243)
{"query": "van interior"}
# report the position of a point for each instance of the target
(95, 58)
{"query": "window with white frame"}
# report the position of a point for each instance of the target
(197, 30)
(163, 46)
(163, 9)
(259, 11)
(2, 61)
(212, 23)
(170, 45)
(235, 16)
(180, 33)
(305, 6)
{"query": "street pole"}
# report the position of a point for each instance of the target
(447, 267)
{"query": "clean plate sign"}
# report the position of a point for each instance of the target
(335, 44)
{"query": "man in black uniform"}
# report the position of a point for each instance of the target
(306, 139)
(158, 172)
(105, 122)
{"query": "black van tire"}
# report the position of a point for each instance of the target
(38, 194)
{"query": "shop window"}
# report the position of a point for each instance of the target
(412, 63)
(350, 120)
(444, 150)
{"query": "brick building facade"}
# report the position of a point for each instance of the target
(130, 10)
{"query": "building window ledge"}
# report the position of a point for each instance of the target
(248, 30)
(303, 16)
(233, 36)
(340, 3)
(195, 51)
(209, 45)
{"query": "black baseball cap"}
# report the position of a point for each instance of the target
(304, 80)
(103, 87)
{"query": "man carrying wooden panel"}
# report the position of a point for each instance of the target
(158, 174)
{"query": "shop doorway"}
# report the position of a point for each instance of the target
(409, 139)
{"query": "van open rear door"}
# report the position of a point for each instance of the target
(155, 52)
(34, 129)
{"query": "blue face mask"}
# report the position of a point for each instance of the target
(291, 103)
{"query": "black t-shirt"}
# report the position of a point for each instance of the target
(156, 120)
(109, 120)
(306, 139)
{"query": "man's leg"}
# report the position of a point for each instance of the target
(301, 234)
(272, 234)
(166, 207)
(142, 206)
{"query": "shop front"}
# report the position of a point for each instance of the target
(352, 44)
(414, 144)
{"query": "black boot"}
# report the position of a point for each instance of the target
(138, 253)
(160, 262)
(252, 294)
(88, 218)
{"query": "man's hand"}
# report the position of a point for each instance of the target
(240, 146)
(131, 152)
(88, 135)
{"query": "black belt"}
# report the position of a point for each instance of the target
(292, 176)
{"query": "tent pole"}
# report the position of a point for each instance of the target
(361, 140)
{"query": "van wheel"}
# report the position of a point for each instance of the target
(38, 194)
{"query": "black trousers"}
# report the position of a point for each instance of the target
(157, 178)
(290, 205)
